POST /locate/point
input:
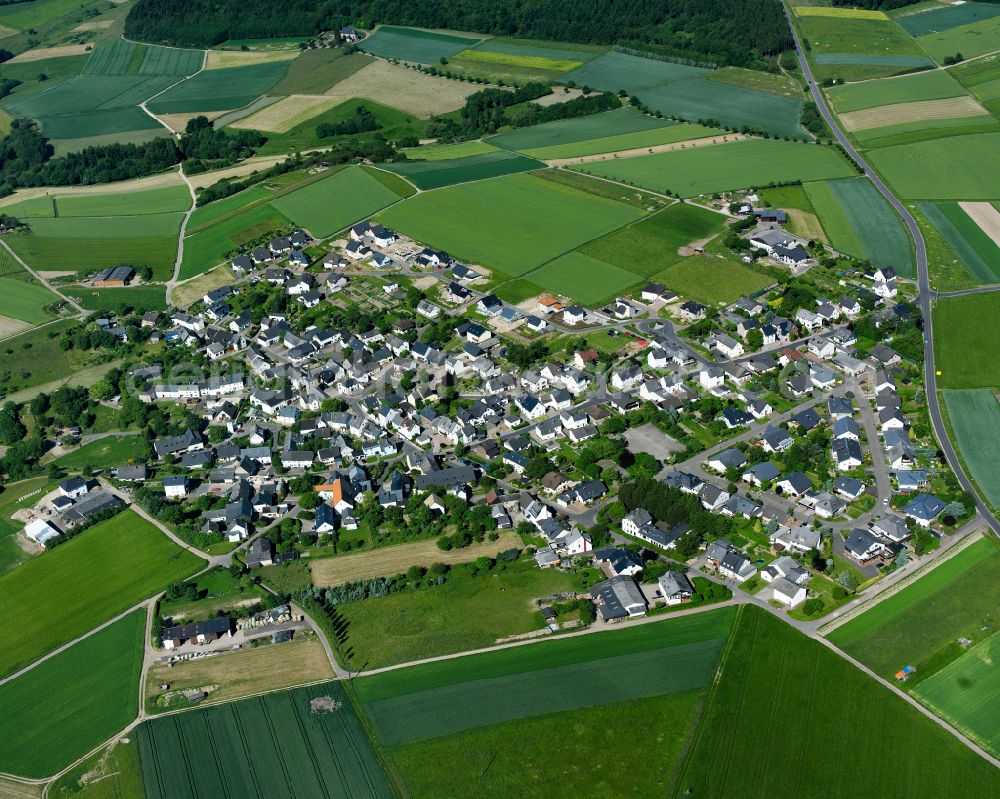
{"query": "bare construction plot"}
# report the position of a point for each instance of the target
(657, 148)
(986, 216)
(884, 115)
(405, 89)
(288, 112)
(388, 561)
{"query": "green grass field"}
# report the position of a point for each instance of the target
(315, 71)
(860, 222)
(446, 152)
(976, 250)
(975, 39)
(68, 128)
(155, 201)
(150, 297)
(955, 168)
(506, 760)
(436, 174)
(966, 331)
(856, 37)
(103, 453)
(711, 280)
(465, 613)
(332, 204)
(920, 624)
(35, 357)
(620, 122)
(84, 582)
(924, 129)
(410, 44)
(207, 247)
(535, 680)
(64, 707)
(523, 59)
(730, 106)
(220, 89)
(613, 71)
(20, 298)
(947, 17)
(935, 85)
(736, 165)
(108, 774)
(585, 279)
(205, 216)
(650, 244)
(37, 14)
(781, 698)
(626, 141)
(513, 223)
(967, 694)
(272, 746)
(975, 420)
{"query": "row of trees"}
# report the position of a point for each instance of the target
(740, 34)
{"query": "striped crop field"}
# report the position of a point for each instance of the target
(304, 742)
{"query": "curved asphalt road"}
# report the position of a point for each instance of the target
(924, 297)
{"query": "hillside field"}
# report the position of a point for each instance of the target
(736, 165)
(513, 223)
(84, 582)
(90, 692)
(436, 174)
(273, 745)
(975, 420)
(920, 624)
(861, 223)
(772, 672)
(977, 251)
(411, 44)
(966, 330)
(620, 122)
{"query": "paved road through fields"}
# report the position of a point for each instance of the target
(924, 297)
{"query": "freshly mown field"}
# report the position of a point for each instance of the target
(513, 223)
(669, 134)
(436, 174)
(921, 624)
(287, 113)
(21, 298)
(64, 707)
(315, 71)
(389, 561)
(711, 280)
(976, 250)
(220, 89)
(103, 453)
(208, 247)
(84, 582)
(332, 204)
(928, 112)
(88, 244)
(947, 17)
(272, 746)
(580, 129)
(239, 674)
(966, 331)
(510, 760)
(934, 85)
(467, 612)
(650, 244)
(142, 298)
(410, 44)
(860, 222)
(587, 280)
(967, 694)
(736, 165)
(954, 168)
(975, 421)
(974, 39)
(839, 13)
(683, 658)
(781, 698)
